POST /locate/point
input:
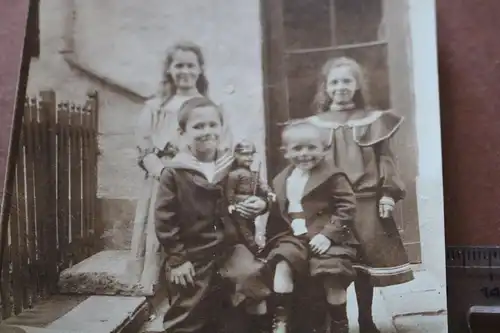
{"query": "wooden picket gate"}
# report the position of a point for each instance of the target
(52, 220)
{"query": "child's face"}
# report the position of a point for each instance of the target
(244, 159)
(305, 148)
(341, 85)
(203, 129)
(185, 69)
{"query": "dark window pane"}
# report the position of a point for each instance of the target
(307, 23)
(303, 70)
(358, 21)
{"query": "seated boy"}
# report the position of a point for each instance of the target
(316, 206)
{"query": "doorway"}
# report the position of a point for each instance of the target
(300, 35)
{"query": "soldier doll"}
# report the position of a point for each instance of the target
(244, 183)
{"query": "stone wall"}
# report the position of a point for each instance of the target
(125, 43)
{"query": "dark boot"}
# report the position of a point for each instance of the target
(260, 324)
(364, 295)
(316, 317)
(338, 319)
(282, 313)
(232, 319)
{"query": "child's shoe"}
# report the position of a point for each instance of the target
(339, 322)
(368, 326)
(282, 311)
(341, 326)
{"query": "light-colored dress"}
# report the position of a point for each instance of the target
(157, 129)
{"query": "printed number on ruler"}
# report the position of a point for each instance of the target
(476, 263)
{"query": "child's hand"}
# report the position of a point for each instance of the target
(157, 175)
(299, 227)
(260, 239)
(386, 207)
(271, 197)
(251, 207)
(183, 274)
(320, 244)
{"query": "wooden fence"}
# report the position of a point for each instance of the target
(52, 219)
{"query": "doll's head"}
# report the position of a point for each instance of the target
(183, 69)
(244, 153)
(304, 144)
(200, 124)
(341, 86)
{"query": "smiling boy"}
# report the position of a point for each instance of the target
(316, 207)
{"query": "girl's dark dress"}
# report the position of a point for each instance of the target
(192, 225)
(360, 147)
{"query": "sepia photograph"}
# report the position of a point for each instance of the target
(260, 166)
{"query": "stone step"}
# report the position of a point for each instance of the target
(105, 314)
(111, 272)
(77, 314)
(155, 323)
(31, 329)
(422, 296)
(46, 311)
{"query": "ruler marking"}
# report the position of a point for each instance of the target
(473, 276)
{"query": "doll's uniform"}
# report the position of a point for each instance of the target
(242, 184)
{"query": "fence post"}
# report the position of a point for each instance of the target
(63, 204)
(92, 105)
(29, 128)
(48, 109)
(22, 213)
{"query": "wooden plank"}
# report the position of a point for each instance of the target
(75, 183)
(22, 223)
(63, 183)
(86, 182)
(40, 196)
(36, 210)
(42, 199)
(17, 284)
(102, 314)
(30, 200)
(93, 107)
(48, 107)
(275, 81)
(5, 283)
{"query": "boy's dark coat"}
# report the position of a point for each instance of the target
(329, 204)
(193, 224)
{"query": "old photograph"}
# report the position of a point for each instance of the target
(229, 166)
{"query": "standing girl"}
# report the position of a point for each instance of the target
(158, 140)
(360, 147)
(193, 226)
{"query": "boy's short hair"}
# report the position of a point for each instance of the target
(292, 127)
(195, 102)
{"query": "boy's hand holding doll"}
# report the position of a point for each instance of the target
(386, 207)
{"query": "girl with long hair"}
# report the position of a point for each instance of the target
(158, 140)
(360, 146)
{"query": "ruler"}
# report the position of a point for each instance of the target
(473, 288)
